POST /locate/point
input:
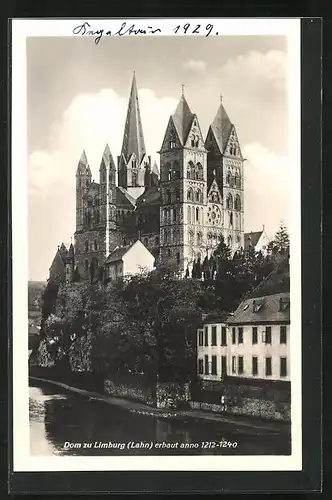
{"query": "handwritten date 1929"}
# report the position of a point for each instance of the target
(195, 29)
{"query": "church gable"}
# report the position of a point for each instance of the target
(195, 137)
(214, 195)
(171, 138)
(233, 145)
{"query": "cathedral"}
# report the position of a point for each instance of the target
(179, 211)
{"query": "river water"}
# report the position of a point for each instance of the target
(65, 423)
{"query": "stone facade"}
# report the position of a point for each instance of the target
(180, 216)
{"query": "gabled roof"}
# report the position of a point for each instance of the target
(182, 119)
(123, 198)
(214, 187)
(221, 128)
(251, 239)
(63, 250)
(133, 139)
(268, 312)
(118, 253)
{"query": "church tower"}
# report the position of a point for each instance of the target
(183, 177)
(133, 160)
(225, 178)
(107, 173)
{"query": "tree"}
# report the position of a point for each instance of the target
(280, 244)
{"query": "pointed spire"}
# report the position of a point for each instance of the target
(221, 127)
(182, 119)
(107, 159)
(83, 158)
(83, 165)
(133, 139)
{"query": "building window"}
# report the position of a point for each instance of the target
(86, 246)
(206, 360)
(200, 367)
(223, 336)
(169, 252)
(206, 336)
(172, 144)
(174, 214)
(200, 337)
(214, 365)
(214, 336)
(254, 365)
(233, 364)
(254, 335)
(178, 257)
(233, 336)
(237, 203)
(190, 194)
(134, 179)
(223, 365)
(229, 202)
(268, 366)
(283, 367)
(240, 337)
(240, 365)
(95, 245)
(283, 335)
(177, 195)
(168, 197)
(86, 265)
(268, 338)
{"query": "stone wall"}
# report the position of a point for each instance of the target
(173, 395)
(136, 387)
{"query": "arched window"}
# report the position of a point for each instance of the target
(86, 246)
(199, 196)
(231, 219)
(215, 197)
(97, 216)
(176, 170)
(134, 164)
(199, 171)
(229, 241)
(168, 197)
(96, 201)
(192, 170)
(174, 214)
(190, 236)
(86, 264)
(193, 141)
(199, 239)
(95, 245)
(196, 141)
(89, 202)
(177, 195)
(169, 174)
(178, 256)
(237, 203)
(193, 215)
(229, 202)
(168, 214)
(189, 215)
(188, 171)
(228, 177)
(134, 179)
(166, 170)
(169, 252)
(197, 215)
(165, 236)
(190, 194)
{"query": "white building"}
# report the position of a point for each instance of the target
(253, 343)
(129, 260)
(257, 240)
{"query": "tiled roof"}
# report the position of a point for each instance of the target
(118, 253)
(221, 128)
(268, 310)
(182, 119)
(133, 139)
(251, 239)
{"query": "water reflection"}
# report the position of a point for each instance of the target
(57, 417)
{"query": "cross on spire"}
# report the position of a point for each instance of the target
(182, 87)
(221, 97)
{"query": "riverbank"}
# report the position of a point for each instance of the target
(251, 424)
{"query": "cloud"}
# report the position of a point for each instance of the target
(194, 65)
(266, 189)
(91, 120)
(256, 70)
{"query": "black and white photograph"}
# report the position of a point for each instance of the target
(156, 227)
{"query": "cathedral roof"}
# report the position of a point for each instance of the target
(71, 251)
(251, 239)
(133, 139)
(123, 198)
(182, 119)
(118, 253)
(151, 196)
(221, 128)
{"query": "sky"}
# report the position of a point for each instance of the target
(77, 97)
